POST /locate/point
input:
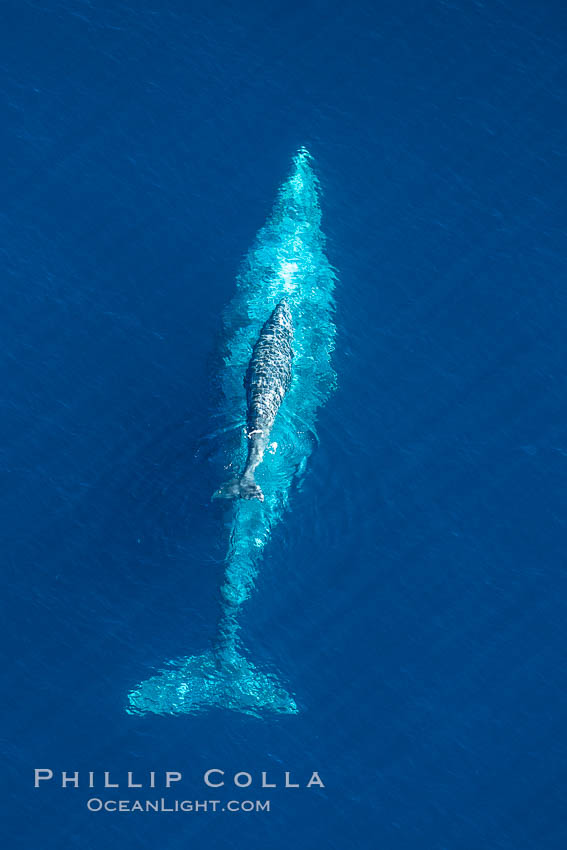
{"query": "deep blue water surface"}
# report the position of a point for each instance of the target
(414, 596)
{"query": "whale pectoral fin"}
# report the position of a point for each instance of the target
(239, 488)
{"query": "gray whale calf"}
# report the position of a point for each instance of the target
(266, 381)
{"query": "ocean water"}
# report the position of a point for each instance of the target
(411, 595)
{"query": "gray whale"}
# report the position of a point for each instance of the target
(288, 261)
(266, 382)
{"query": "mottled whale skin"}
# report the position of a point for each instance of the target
(266, 381)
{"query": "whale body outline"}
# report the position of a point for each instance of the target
(266, 382)
(287, 261)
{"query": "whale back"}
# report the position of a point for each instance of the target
(287, 263)
(268, 376)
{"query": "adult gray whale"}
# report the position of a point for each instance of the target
(266, 382)
(286, 271)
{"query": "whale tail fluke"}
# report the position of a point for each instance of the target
(203, 682)
(240, 488)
